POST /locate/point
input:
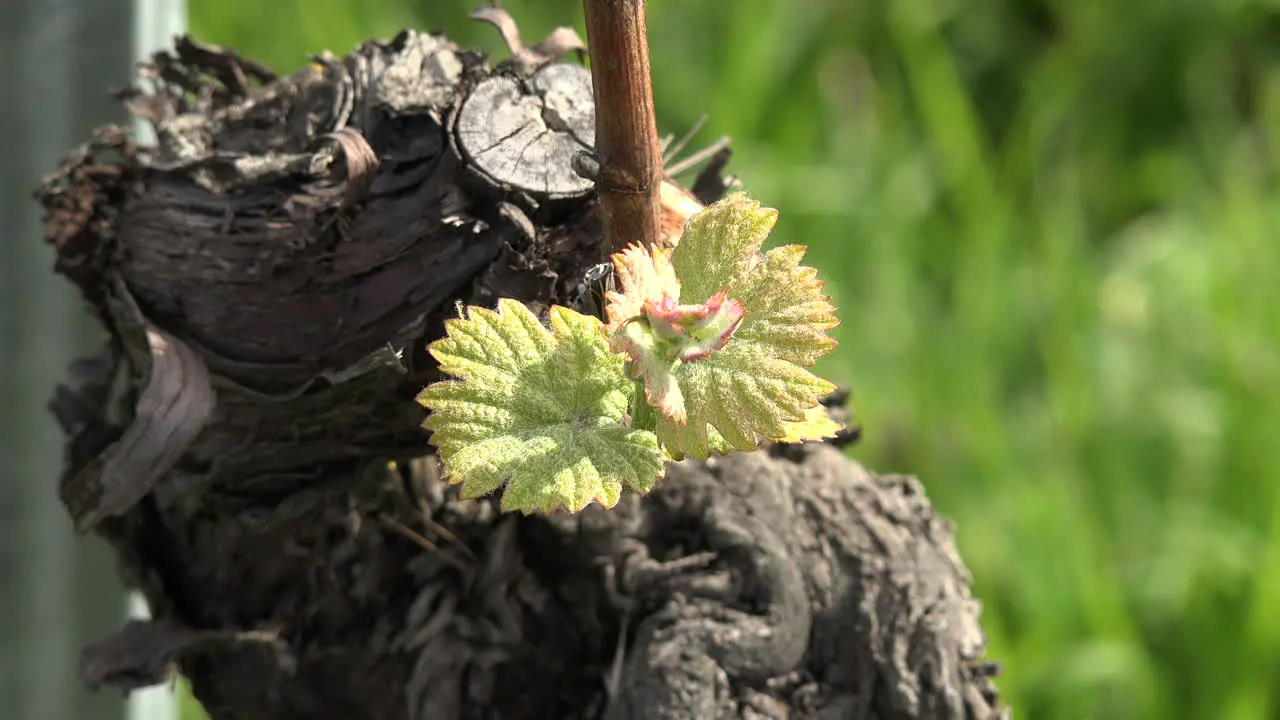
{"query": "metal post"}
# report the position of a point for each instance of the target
(155, 23)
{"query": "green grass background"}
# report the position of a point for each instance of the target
(1051, 228)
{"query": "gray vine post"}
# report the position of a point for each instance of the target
(59, 59)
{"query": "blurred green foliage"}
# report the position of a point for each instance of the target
(1051, 228)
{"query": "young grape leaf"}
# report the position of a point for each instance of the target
(535, 409)
(646, 361)
(694, 331)
(648, 277)
(655, 333)
(757, 385)
(747, 396)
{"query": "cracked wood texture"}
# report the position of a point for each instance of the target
(248, 442)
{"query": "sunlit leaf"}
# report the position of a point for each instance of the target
(538, 410)
(816, 425)
(755, 385)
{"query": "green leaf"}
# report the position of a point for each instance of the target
(816, 425)
(719, 245)
(535, 409)
(757, 385)
(695, 331)
(746, 395)
(646, 277)
(786, 313)
(647, 361)
(655, 333)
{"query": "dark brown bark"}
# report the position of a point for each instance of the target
(248, 441)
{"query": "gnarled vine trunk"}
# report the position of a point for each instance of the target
(248, 441)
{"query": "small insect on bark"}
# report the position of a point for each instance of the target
(590, 291)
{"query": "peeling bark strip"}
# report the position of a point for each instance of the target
(176, 401)
(249, 444)
(150, 652)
